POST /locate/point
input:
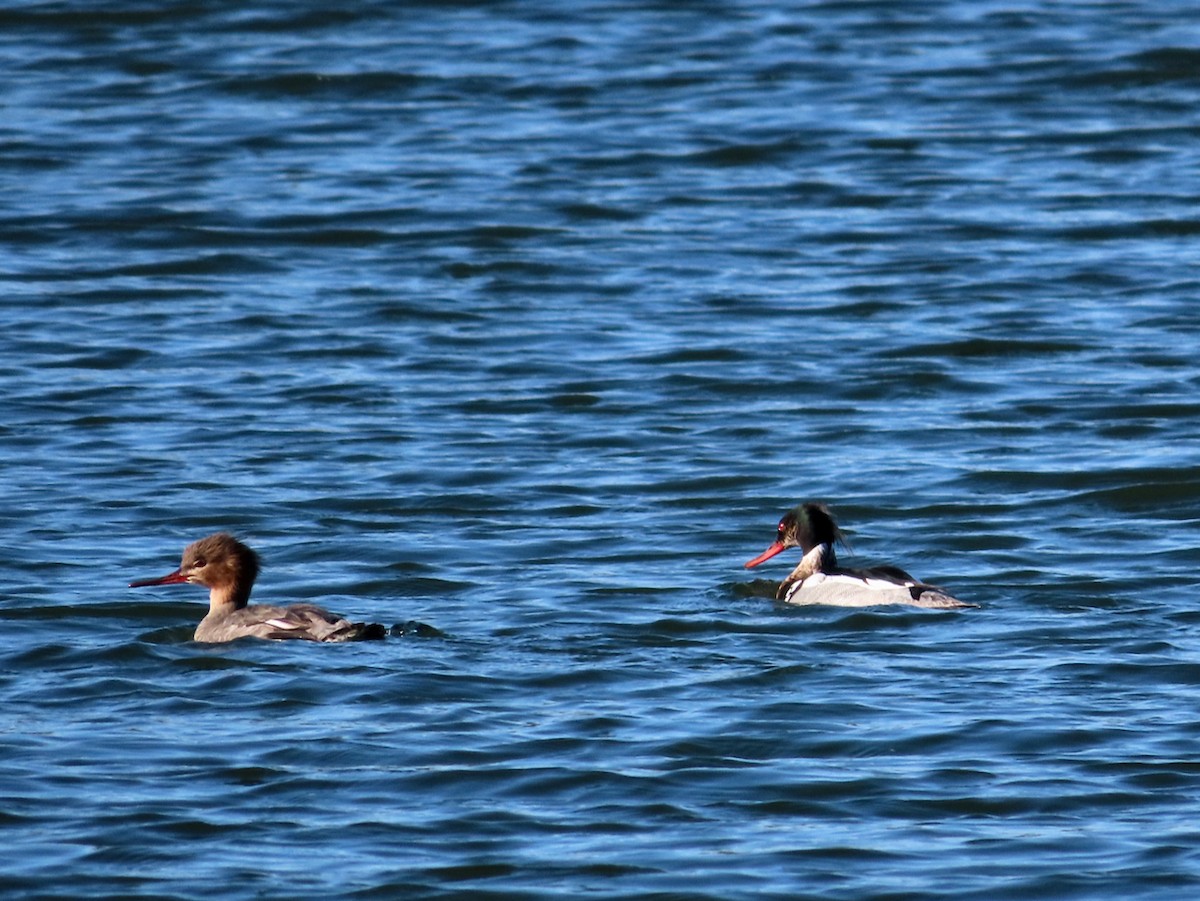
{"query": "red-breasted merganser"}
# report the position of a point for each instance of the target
(818, 579)
(228, 569)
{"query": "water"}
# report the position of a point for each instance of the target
(527, 321)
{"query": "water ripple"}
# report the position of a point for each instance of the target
(527, 324)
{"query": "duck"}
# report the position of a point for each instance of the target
(818, 579)
(228, 568)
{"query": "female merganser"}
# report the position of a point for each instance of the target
(228, 568)
(818, 579)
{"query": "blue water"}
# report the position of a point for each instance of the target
(528, 321)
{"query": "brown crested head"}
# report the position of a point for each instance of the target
(219, 559)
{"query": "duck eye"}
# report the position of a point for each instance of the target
(200, 563)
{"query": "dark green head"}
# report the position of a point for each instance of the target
(804, 526)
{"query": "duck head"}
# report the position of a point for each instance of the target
(221, 564)
(805, 526)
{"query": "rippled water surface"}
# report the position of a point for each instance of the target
(527, 321)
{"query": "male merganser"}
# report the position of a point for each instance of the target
(228, 568)
(818, 579)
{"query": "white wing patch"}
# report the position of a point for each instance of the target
(844, 590)
(841, 590)
(884, 584)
